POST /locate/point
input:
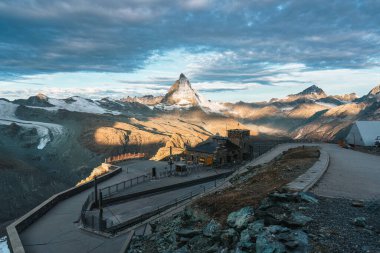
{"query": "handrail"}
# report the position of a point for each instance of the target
(160, 208)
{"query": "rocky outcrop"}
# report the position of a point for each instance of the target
(40, 100)
(245, 230)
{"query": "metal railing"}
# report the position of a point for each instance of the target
(112, 228)
(122, 186)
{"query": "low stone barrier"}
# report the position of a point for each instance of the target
(312, 175)
(22, 223)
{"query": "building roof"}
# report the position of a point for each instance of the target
(210, 145)
(369, 131)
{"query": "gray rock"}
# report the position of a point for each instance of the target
(266, 243)
(298, 219)
(359, 222)
(241, 218)
(212, 229)
(189, 232)
(200, 243)
(275, 229)
(214, 248)
(308, 198)
(255, 228)
(282, 215)
(357, 203)
(239, 250)
(282, 239)
(298, 241)
(229, 237)
(245, 240)
(183, 249)
(191, 215)
(284, 197)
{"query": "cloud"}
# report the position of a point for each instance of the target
(242, 42)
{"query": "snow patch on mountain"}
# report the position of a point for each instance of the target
(77, 104)
(44, 130)
(329, 105)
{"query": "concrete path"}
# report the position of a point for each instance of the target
(57, 231)
(351, 174)
(124, 211)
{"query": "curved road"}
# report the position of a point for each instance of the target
(351, 174)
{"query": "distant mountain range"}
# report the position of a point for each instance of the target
(49, 144)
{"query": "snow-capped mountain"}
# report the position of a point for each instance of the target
(182, 94)
(61, 135)
(313, 92)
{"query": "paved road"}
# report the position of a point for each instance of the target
(351, 174)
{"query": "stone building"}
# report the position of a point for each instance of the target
(215, 151)
(240, 137)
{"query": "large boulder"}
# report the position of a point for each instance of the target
(281, 239)
(255, 228)
(188, 233)
(200, 244)
(282, 215)
(229, 237)
(240, 219)
(212, 229)
(308, 197)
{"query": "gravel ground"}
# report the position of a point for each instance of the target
(332, 229)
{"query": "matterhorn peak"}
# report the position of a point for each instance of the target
(181, 93)
(182, 76)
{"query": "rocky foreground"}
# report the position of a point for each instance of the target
(258, 214)
(284, 222)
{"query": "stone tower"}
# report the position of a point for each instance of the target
(240, 137)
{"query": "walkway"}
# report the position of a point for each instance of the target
(57, 231)
(351, 174)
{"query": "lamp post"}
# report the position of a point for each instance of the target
(171, 160)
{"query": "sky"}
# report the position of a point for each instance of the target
(231, 50)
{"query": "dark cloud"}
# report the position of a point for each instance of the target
(45, 36)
